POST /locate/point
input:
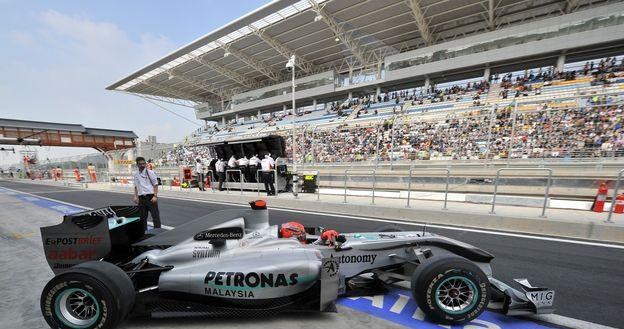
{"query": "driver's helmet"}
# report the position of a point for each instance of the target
(293, 229)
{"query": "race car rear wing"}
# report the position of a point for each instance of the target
(91, 235)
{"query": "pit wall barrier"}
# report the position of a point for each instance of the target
(561, 223)
(364, 183)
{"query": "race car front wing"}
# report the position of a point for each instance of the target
(511, 301)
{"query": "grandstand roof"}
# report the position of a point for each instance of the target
(38, 125)
(110, 132)
(63, 127)
(251, 51)
(22, 132)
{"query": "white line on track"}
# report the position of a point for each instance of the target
(380, 220)
(56, 191)
(444, 227)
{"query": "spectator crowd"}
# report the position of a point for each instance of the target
(590, 129)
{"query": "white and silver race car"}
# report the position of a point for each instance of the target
(107, 267)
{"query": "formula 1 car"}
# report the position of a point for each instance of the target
(232, 262)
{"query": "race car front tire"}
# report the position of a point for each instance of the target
(450, 289)
(88, 296)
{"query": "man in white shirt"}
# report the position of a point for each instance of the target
(253, 167)
(232, 165)
(200, 173)
(268, 176)
(146, 193)
(220, 166)
(243, 165)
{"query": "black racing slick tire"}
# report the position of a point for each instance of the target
(90, 295)
(450, 289)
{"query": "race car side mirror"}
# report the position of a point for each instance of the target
(258, 205)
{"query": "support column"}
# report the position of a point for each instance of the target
(223, 121)
(561, 62)
(284, 108)
(236, 117)
(377, 92)
(486, 74)
(259, 114)
(350, 76)
(131, 156)
(427, 85)
(313, 104)
(350, 95)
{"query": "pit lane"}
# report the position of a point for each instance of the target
(585, 277)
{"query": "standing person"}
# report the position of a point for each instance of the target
(253, 167)
(232, 165)
(213, 167)
(243, 165)
(199, 172)
(77, 174)
(221, 173)
(58, 173)
(91, 170)
(268, 176)
(146, 193)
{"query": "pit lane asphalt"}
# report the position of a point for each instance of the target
(587, 279)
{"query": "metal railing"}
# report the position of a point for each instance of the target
(614, 197)
(227, 186)
(274, 180)
(409, 185)
(548, 183)
(346, 172)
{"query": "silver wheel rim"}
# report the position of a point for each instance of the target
(456, 295)
(77, 308)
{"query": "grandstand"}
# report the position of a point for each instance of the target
(403, 81)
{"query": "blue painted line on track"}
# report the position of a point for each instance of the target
(398, 306)
(60, 207)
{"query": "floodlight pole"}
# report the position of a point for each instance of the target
(294, 115)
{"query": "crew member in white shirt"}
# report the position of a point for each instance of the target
(220, 166)
(268, 176)
(243, 165)
(146, 193)
(232, 165)
(200, 173)
(253, 167)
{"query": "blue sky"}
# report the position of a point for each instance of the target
(57, 57)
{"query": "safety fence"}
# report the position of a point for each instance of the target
(357, 179)
(547, 176)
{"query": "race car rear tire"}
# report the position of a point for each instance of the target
(88, 296)
(450, 289)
